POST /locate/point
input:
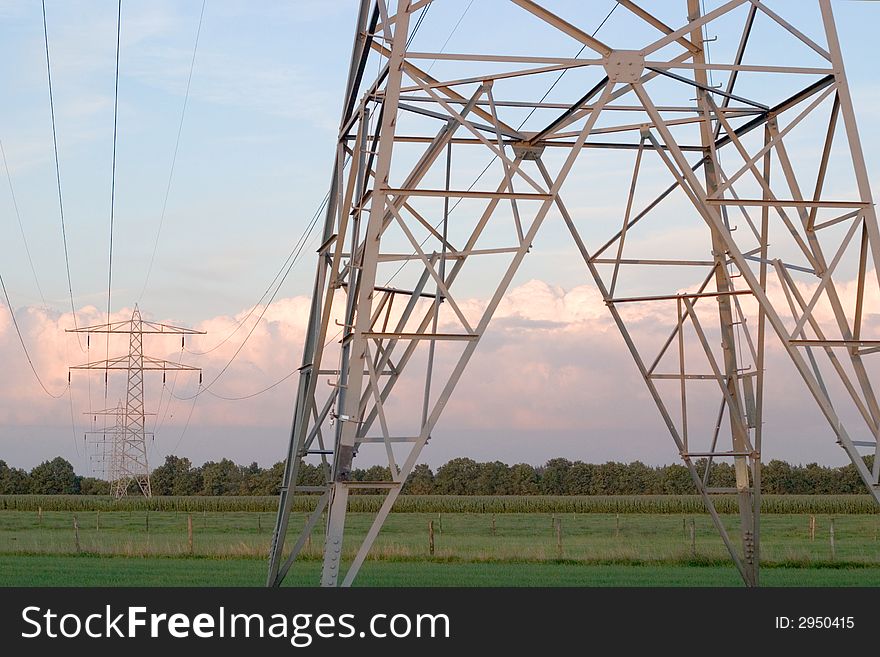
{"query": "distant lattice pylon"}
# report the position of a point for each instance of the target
(109, 442)
(128, 453)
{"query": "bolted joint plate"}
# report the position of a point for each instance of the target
(528, 151)
(624, 65)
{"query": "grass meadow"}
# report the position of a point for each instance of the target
(148, 547)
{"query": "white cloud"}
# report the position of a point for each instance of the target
(552, 376)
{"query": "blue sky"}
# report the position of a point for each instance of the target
(255, 147)
(253, 157)
(253, 165)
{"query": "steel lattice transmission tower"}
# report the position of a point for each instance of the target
(741, 239)
(128, 453)
(108, 442)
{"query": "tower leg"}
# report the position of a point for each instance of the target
(748, 458)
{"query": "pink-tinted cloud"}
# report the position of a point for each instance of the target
(551, 374)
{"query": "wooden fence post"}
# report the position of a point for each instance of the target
(40, 515)
(833, 546)
(493, 524)
(693, 538)
(189, 532)
(76, 534)
(559, 538)
(431, 537)
(812, 527)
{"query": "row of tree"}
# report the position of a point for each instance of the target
(460, 476)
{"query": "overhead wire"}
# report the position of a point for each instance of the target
(176, 148)
(259, 318)
(542, 99)
(15, 324)
(160, 423)
(296, 249)
(58, 173)
(186, 425)
(303, 237)
(254, 394)
(283, 272)
(495, 157)
(442, 49)
(73, 428)
(113, 189)
(27, 249)
(451, 33)
(418, 24)
(23, 345)
(39, 379)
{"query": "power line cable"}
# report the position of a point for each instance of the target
(564, 71)
(27, 249)
(254, 394)
(296, 253)
(23, 345)
(418, 24)
(296, 249)
(454, 28)
(259, 319)
(73, 428)
(176, 148)
(58, 173)
(543, 98)
(186, 425)
(483, 172)
(113, 183)
(158, 424)
(522, 123)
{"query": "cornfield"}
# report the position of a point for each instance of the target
(658, 504)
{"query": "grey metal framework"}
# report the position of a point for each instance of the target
(107, 442)
(388, 339)
(128, 453)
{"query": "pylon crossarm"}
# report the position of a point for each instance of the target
(149, 364)
(126, 327)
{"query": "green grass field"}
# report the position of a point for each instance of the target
(128, 548)
(462, 537)
(54, 570)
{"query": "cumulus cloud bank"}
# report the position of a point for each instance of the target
(551, 377)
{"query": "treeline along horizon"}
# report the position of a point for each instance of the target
(177, 476)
